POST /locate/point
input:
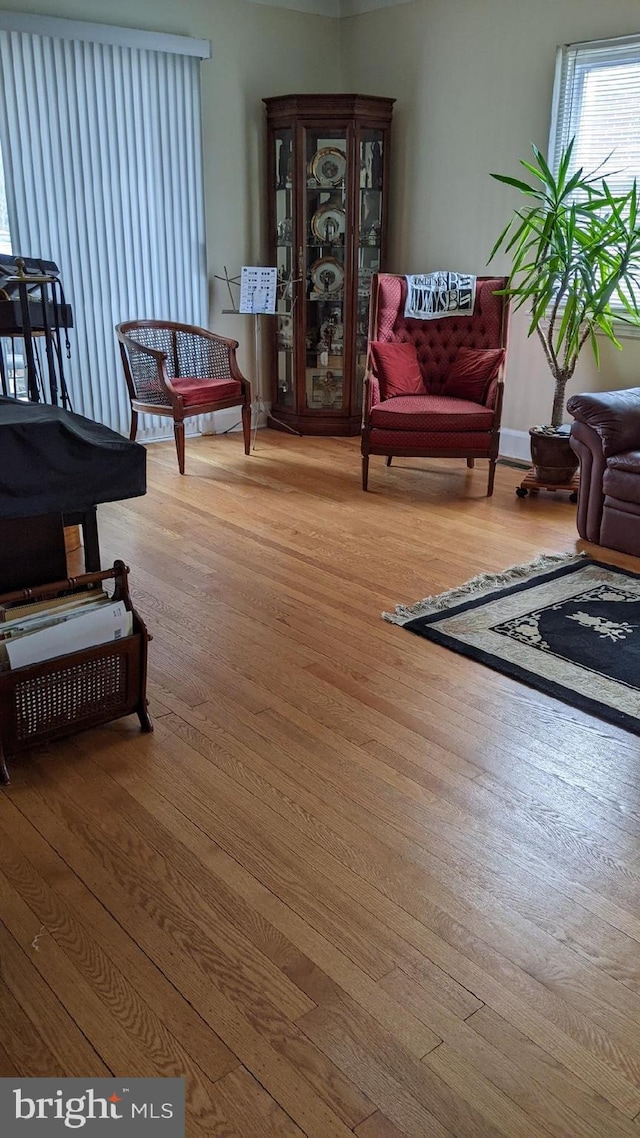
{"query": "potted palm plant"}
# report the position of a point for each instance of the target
(575, 252)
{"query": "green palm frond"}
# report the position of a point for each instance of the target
(574, 247)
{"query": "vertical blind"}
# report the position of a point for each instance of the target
(102, 151)
(597, 102)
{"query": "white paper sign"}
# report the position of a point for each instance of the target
(258, 289)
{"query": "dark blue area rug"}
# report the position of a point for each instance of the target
(565, 625)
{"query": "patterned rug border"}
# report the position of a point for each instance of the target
(484, 583)
(518, 578)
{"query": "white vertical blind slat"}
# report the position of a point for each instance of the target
(104, 176)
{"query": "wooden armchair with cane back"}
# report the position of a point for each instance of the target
(434, 387)
(179, 370)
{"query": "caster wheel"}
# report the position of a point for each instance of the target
(522, 492)
(573, 497)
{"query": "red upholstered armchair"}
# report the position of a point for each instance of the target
(440, 420)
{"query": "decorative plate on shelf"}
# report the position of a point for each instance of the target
(327, 276)
(328, 166)
(327, 224)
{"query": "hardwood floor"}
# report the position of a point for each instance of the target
(354, 883)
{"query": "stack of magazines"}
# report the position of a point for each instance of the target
(33, 632)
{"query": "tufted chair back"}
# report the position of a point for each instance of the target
(437, 341)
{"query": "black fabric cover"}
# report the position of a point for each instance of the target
(53, 461)
(11, 320)
(32, 266)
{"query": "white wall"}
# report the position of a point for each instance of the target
(258, 51)
(473, 81)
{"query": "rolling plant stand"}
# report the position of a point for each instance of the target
(530, 485)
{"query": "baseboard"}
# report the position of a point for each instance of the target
(231, 420)
(515, 444)
(222, 421)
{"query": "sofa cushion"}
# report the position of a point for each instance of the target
(472, 371)
(621, 478)
(431, 413)
(397, 369)
(621, 527)
(628, 461)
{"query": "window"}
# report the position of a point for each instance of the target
(597, 102)
(101, 140)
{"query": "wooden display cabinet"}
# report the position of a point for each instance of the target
(328, 161)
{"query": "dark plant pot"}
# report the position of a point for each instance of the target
(554, 462)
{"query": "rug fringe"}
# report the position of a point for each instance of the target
(483, 583)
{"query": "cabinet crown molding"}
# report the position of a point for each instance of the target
(335, 8)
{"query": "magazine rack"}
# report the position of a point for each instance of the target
(79, 690)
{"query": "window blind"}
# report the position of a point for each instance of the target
(103, 165)
(597, 102)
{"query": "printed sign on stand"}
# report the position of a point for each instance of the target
(258, 289)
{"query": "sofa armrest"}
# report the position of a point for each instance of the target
(587, 445)
(613, 415)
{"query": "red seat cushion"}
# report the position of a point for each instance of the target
(431, 413)
(622, 477)
(196, 391)
(397, 369)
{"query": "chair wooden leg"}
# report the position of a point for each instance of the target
(146, 722)
(471, 463)
(492, 475)
(178, 430)
(134, 426)
(246, 428)
(389, 457)
(365, 471)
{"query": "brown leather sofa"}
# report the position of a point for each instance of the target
(605, 435)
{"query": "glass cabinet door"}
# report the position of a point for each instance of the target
(285, 261)
(325, 235)
(370, 147)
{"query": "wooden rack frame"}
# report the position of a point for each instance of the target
(79, 690)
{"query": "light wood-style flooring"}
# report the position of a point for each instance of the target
(354, 883)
